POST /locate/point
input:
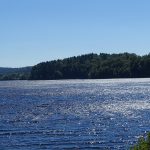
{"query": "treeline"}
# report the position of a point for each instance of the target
(15, 76)
(94, 66)
(4, 70)
(15, 73)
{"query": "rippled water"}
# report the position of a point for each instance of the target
(73, 114)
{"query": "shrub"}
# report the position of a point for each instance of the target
(143, 144)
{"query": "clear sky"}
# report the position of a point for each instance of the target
(32, 31)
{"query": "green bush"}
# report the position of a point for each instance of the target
(143, 144)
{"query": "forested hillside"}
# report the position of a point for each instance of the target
(94, 66)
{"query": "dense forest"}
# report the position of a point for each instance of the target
(94, 66)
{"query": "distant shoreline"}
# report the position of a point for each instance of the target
(89, 66)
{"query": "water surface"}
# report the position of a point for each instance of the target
(73, 114)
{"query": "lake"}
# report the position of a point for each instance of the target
(73, 114)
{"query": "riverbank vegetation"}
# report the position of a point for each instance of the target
(143, 144)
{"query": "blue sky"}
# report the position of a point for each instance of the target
(32, 31)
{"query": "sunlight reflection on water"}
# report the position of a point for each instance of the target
(73, 114)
